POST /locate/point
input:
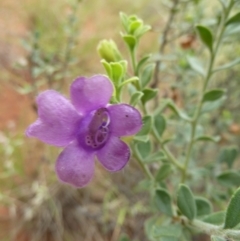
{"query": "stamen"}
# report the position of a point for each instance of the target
(98, 128)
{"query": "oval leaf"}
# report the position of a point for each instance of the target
(159, 125)
(234, 19)
(212, 105)
(163, 202)
(229, 178)
(148, 94)
(170, 232)
(163, 172)
(144, 149)
(204, 207)
(157, 156)
(142, 62)
(208, 138)
(233, 211)
(205, 36)
(130, 41)
(135, 98)
(146, 75)
(228, 155)
(213, 95)
(186, 202)
(196, 65)
(147, 124)
(215, 218)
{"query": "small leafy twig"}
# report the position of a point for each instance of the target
(205, 85)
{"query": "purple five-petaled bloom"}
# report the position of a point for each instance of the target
(87, 126)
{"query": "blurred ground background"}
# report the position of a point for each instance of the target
(33, 205)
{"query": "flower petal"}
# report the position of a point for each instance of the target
(54, 134)
(125, 120)
(90, 94)
(58, 122)
(114, 155)
(75, 166)
(54, 107)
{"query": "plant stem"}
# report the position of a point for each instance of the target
(164, 41)
(205, 85)
(133, 59)
(168, 153)
(211, 229)
(142, 165)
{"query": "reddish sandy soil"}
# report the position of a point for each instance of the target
(12, 104)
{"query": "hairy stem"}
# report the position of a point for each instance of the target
(214, 229)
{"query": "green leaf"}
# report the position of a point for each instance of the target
(205, 36)
(159, 124)
(229, 178)
(157, 156)
(117, 72)
(233, 211)
(141, 31)
(227, 66)
(163, 172)
(142, 62)
(148, 94)
(212, 105)
(148, 226)
(217, 238)
(147, 124)
(107, 67)
(215, 218)
(163, 201)
(235, 19)
(186, 202)
(204, 207)
(144, 149)
(213, 95)
(208, 138)
(179, 112)
(168, 231)
(196, 65)
(135, 98)
(130, 41)
(228, 155)
(134, 26)
(124, 20)
(146, 75)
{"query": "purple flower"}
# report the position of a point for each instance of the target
(87, 127)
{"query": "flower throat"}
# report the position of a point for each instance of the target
(98, 129)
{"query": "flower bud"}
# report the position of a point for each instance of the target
(108, 50)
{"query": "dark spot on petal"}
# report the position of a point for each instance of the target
(126, 115)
